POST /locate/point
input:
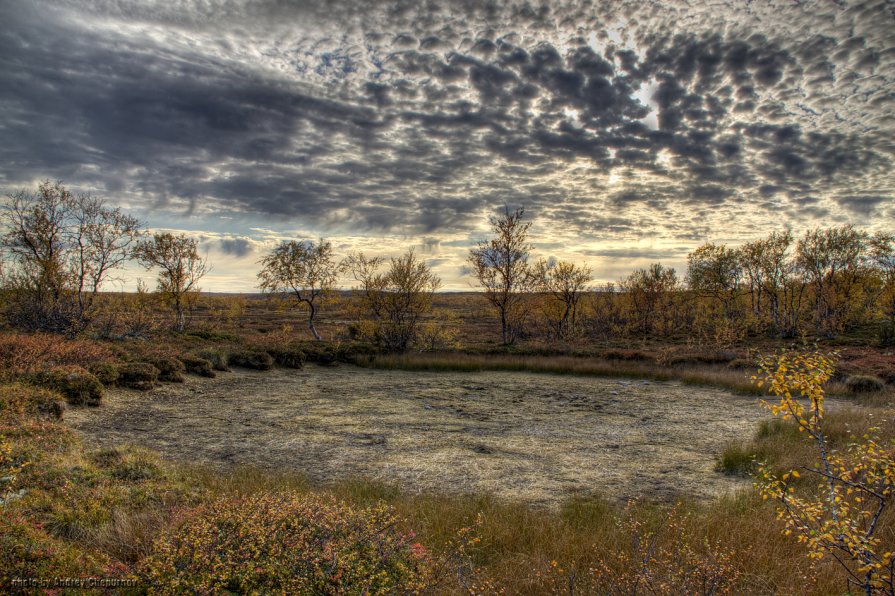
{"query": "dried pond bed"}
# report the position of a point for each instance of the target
(531, 437)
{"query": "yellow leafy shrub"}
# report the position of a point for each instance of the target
(839, 516)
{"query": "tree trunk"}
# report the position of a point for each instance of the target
(503, 325)
(181, 319)
(313, 312)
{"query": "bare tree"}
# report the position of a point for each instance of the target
(501, 267)
(566, 282)
(62, 248)
(180, 269)
(306, 270)
(397, 299)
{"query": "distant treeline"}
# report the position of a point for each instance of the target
(823, 283)
(59, 249)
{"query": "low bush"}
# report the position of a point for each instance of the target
(326, 354)
(22, 353)
(212, 335)
(737, 460)
(288, 357)
(702, 357)
(105, 372)
(75, 384)
(287, 543)
(875, 364)
(19, 402)
(170, 369)
(252, 359)
(864, 384)
(887, 335)
(197, 366)
(28, 550)
(138, 375)
(220, 359)
(128, 464)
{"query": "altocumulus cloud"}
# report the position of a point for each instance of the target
(608, 121)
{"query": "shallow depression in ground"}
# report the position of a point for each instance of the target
(531, 437)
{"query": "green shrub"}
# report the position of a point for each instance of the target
(212, 335)
(219, 358)
(252, 359)
(105, 372)
(28, 550)
(325, 354)
(75, 384)
(737, 460)
(138, 375)
(20, 402)
(128, 463)
(287, 543)
(288, 357)
(887, 335)
(864, 384)
(197, 366)
(170, 369)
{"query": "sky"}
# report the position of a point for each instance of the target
(629, 131)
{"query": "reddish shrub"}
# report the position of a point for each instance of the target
(287, 543)
(21, 353)
(877, 364)
(28, 550)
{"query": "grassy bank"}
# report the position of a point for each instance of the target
(101, 512)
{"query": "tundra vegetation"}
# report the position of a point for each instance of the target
(819, 519)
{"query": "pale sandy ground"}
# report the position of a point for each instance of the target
(530, 437)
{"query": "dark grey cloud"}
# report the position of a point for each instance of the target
(656, 254)
(863, 204)
(237, 247)
(619, 118)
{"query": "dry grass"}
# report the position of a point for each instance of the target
(530, 438)
(708, 375)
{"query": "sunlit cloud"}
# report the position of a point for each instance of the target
(629, 131)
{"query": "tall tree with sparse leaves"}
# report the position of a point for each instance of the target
(305, 270)
(397, 299)
(61, 248)
(566, 282)
(501, 267)
(180, 268)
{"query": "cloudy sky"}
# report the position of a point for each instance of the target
(630, 132)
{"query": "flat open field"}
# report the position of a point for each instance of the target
(536, 438)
